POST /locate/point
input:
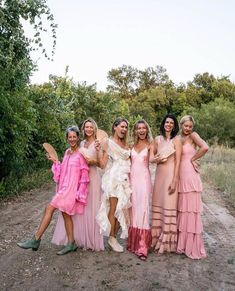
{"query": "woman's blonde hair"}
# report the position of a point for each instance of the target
(134, 131)
(92, 121)
(187, 118)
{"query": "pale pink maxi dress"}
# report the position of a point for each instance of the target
(72, 178)
(139, 234)
(86, 230)
(190, 207)
(164, 205)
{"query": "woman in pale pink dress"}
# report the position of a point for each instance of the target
(190, 187)
(72, 178)
(86, 230)
(165, 152)
(139, 233)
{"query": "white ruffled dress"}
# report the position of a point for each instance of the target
(115, 183)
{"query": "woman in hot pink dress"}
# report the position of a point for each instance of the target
(72, 178)
(189, 222)
(86, 230)
(139, 234)
(165, 152)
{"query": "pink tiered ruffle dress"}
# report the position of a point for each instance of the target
(190, 207)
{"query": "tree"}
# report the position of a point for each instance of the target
(215, 121)
(16, 114)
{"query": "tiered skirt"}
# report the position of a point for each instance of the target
(190, 226)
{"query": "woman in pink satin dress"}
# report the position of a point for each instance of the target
(139, 233)
(86, 230)
(72, 179)
(166, 153)
(189, 222)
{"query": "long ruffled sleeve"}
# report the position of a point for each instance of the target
(82, 192)
(56, 168)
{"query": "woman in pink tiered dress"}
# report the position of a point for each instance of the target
(165, 152)
(139, 233)
(189, 222)
(72, 178)
(86, 230)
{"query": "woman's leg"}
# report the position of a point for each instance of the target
(71, 246)
(112, 219)
(46, 219)
(117, 226)
(114, 226)
(68, 222)
(34, 242)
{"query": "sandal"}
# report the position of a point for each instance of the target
(142, 257)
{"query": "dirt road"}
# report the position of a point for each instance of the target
(85, 270)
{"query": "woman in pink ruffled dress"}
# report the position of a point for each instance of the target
(166, 153)
(86, 230)
(190, 187)
(72, 178)
(139, 233)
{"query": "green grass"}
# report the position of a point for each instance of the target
(218, 168)
(13, 186)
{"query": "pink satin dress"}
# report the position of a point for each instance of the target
(190, 207)
(139, 234)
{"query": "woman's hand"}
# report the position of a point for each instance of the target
(158, 160)
(196, 165)
(172, 187)
(97, 145)
(90, 161)
(51, 159)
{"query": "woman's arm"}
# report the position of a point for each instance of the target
(102, 154)
(91, 162)
(203, 148)
(178, 151)
(82, 192)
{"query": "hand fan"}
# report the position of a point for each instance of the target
(166, 152)
(101, 134)
(50, 150)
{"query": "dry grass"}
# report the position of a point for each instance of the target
(218, 168)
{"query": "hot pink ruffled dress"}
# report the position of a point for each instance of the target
(72, 178)
(164, 205)
(86, 230)
(190, 207)
(139, 234)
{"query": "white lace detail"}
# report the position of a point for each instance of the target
(115, 183)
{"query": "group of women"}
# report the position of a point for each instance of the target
(162, 218)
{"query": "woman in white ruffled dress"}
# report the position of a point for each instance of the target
(115, 201)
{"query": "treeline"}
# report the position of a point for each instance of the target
(33, 114)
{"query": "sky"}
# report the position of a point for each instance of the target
(186, 37)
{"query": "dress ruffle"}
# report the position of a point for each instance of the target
(122, 192)
(115, 183)
(191, 245)
(167, 242)
(190, 202)
(190, 226)
(139, 241)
